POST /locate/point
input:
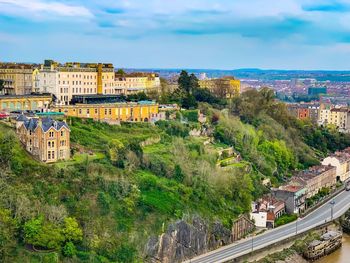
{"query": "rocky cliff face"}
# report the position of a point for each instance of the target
(183, 241)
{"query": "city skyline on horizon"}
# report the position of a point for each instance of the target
(209, 34)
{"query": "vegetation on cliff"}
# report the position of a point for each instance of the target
(127, 183)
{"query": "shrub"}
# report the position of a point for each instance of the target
(69, 249)
(285, 219)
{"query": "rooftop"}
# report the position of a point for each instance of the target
(291, 188)
(315, 171)
(340, 110)
(25, 96)
(45, 123)
(330, 235)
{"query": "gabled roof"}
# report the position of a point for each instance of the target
(21, 118)
(46, 124)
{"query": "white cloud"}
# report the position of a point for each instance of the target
(40, 8)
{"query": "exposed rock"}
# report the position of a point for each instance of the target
(183, 241)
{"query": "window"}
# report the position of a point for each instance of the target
(88, 111)
(53, 155)
(105, 111)
(110, 111)
(49, 144)
(51, 134)
(79, 111)
(53, 144)
(95, 111)
(49, 155)
(62, 133)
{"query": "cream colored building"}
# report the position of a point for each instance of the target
(341, 162)
(17, 78)
(324, 114)
(338, 117)
(65, 81)
(136, 82)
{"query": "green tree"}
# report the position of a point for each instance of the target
(116, 150)
(8, 232)
(72, 231)
(69, 249)
(121, 72)
(184, 82)
(44, 234)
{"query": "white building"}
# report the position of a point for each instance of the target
(259, 218)
(65, 81)
(341, 161)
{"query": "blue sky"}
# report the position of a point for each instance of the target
(221, 34)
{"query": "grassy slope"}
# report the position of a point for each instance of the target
(128, 205)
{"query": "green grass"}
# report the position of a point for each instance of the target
(80, 158)
(96, 135)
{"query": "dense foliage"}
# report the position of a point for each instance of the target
(126, 183)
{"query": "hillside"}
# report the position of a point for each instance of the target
(127, 183)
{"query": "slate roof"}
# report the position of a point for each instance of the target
(21, 118)
(46, 124)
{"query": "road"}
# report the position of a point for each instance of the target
(318, 217)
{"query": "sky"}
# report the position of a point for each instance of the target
(208, 34)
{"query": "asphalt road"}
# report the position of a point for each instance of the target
(316, 218)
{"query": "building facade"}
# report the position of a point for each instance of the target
(25, 102)
(226, 87)
(136, 82)
(69, 79)
(316, 178)
(114, 113)
(341, 162)
(338, 117)
(304, 111)
(266, 210)
(46, 139)
(294, 197)
(17, 79)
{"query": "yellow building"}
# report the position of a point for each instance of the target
(17, 78)
(25, 102)
(113, 113)
(336, 117)
(226, 87)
